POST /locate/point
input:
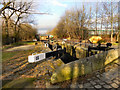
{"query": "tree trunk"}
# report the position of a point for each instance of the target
(15, 32)
(7, 32)
(111, 23)
(101, 24)
(118, 36)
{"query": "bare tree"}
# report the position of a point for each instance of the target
(78, 15)
(67, 23)
(106, 8)
(10, 9)
(118, 35)
(24, 8)
(89, 18)
(73, 24)
(114, 18)
(110, 9)
(96, 20)
(102, 18)
(6, 6)
(27, 32)
(15, 10)
(111, 22)
(7, 14)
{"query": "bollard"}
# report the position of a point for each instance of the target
(46, 44)
(36, 43)
(64, 50)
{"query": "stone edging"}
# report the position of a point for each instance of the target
(84, 66)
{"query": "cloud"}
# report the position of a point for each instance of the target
(90, 0)
(57, 3)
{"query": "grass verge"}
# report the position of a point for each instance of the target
(19, 44)
(7, 55)
(20, 83)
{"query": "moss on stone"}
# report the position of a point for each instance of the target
(84, 66)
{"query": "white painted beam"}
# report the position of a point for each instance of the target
(36, 58)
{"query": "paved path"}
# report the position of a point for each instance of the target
(23, 47)
(109, 79)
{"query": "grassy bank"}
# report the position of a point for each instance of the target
(17, 72)
(20, 83)
(18, 44)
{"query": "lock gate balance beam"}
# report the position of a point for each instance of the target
(38, 57)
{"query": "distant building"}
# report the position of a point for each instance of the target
(102, 32)
(45, 37)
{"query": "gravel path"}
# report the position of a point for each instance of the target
(19, 48)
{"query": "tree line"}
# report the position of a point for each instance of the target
(15, 21)
(76, 22)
